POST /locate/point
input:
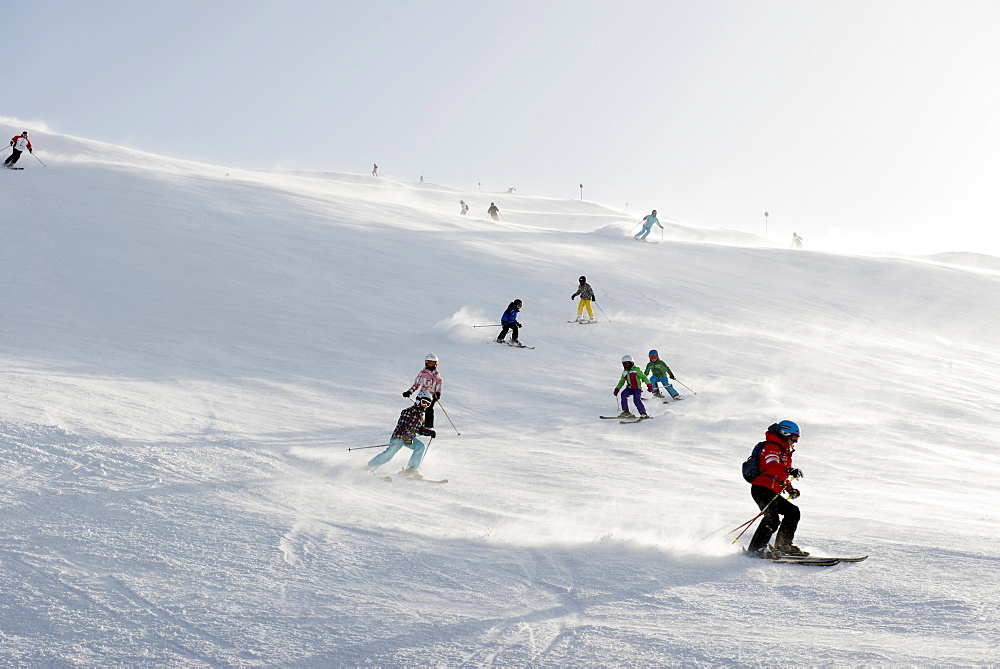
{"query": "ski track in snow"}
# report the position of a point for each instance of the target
(189, 350)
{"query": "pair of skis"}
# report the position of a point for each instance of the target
(513, 345)
(625, 419)
(815, 561)
(388, 479)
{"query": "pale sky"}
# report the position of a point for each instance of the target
(867, 125)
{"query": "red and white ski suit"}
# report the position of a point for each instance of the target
(773, 462)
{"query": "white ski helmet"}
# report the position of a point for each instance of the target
(424, 396)
(431, 357)
(626, 358)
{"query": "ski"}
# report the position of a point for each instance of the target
(644, 240)
(637, 420)
(613, 417)
(583, 322)
(15, 168)
(821, 557)
(807, 561)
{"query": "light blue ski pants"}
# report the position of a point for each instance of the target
(665, 380)
(644, 232)
(417, 447)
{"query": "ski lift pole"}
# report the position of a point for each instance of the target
(449, 418)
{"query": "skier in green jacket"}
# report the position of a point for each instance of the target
(658, 372)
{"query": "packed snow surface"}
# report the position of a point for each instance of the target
(189, 350)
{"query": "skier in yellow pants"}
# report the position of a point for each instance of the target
(586, 294)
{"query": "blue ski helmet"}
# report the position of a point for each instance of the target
(653, 352)
(787, 428)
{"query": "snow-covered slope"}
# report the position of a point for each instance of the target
(188, 351)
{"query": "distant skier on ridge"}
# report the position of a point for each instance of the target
(465, 207)
(647, 224)
(796, 241)
(19, 144)
(493, 211)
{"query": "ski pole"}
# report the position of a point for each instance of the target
(361, 448)
(488, 326)
(682, 383)
(38, 159)
(449, 418)
(602, 310)
(427, 449)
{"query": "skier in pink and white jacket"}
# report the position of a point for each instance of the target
(429, 379)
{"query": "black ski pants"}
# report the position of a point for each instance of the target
(14, 156)
(789, 519)
(512, 328)
(429, 415)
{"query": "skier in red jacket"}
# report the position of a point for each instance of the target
(775, 466)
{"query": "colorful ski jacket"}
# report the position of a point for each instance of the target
(658, 368)
(631, 378)
(510, 316)
(585, 292)
(20, 143)
(410, 424)
(773, 462)
(427, 379)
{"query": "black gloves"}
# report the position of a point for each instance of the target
(795, 472)
(432, 434)
(437, 395)
(407, 393)
(792, 493)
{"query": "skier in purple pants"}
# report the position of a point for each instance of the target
(632, 376)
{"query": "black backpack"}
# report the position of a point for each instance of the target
(750, 468)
